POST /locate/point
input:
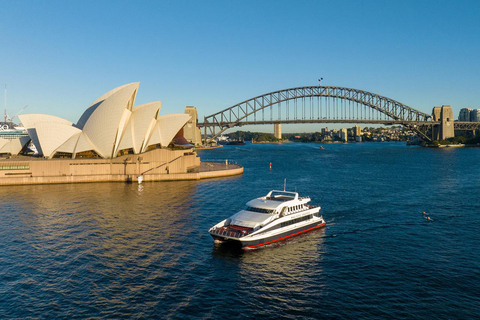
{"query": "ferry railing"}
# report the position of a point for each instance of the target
(228, 233)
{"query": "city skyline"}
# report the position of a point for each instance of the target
(212, 55)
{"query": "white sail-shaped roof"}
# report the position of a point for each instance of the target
(144, 120)
(14, 146)
(127, 139)
(70, 144)
(148, 135)
(84, 144)
(140, 126)
(29, 120)
(167, 127)
(106, 124)
(109, 125)
(52, 135)
(83, 119)
(77, 143)
(48, 138)
(3, 144)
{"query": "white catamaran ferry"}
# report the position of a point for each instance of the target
(274, 217)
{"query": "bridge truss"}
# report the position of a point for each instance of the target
(318, 104)
(467, 125)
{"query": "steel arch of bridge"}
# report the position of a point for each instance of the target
(376, 109)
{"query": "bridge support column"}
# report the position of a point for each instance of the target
(277, 130)
(190, 130)
(445, 130)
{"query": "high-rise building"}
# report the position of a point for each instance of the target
(464, 114)
(475, 115)
(357, 131)
(343, 134)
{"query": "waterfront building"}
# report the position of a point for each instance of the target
(113, 140)
(343, 134)
(357, 131)
(112, 126)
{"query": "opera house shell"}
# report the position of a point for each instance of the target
(112, 126)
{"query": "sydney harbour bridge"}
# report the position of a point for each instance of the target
(328, 104)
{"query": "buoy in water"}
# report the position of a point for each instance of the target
(270, 165)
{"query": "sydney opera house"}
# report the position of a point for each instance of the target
(113, 140)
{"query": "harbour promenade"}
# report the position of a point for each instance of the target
(155, 165)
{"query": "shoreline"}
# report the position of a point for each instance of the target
(440, 146)
(207, 170)
(153, 165)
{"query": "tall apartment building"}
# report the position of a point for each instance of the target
(464, 114)
(467, 114)
(343, 134)
(357, 131)
(475, 115)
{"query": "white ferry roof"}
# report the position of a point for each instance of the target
(264, 204)
(275, 199)
(249, 219)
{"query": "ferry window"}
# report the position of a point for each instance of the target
(260, 210)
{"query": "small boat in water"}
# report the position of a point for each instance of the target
(276, 216)
(236, 143)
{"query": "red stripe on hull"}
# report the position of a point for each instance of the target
(262, 244)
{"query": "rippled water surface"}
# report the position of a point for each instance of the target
(114, 250)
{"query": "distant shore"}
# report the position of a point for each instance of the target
(454, 146)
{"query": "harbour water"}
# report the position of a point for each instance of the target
(115, 250)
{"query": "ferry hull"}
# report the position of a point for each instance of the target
(246, 243)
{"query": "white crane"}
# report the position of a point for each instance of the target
(9, 119)
(16, 114)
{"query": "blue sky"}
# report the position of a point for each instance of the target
(57, 57)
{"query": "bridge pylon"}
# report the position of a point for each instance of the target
(445, 130)
(277, 130)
